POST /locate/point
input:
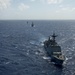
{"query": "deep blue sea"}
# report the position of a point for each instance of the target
(22, 51)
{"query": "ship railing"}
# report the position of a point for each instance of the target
(57, 53)
(59, 57)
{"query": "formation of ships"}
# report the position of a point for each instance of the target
(32, 25)
(53, 50)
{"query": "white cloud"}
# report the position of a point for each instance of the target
(66, 10)
(32, 0)
(22, 6)
(43, 1)
(49, 1)
(4, 4)
(60, 6)
(73, 9)
(54, 1)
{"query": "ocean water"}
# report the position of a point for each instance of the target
(21, 47)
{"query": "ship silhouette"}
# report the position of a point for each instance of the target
(54, 50)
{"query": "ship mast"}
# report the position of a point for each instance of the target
(54, 36)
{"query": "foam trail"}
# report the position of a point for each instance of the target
(34, 42)
(48, 58)
(38, 38)
(41, 40)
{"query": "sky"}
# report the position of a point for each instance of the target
(37, 9)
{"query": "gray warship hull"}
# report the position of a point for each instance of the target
(55, 57)
(57, 61)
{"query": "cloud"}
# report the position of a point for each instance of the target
(60, 6)
(32, 0)
(49, 1)
(66, 10)
(4, 4)
(22, 7)
(73, 9)
(54, 1)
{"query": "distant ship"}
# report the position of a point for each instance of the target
(32, 24)
(54, 50)
(27, 22)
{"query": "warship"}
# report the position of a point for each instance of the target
(54, 50)
(32, 24)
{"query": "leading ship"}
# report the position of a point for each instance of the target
(54, 50)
